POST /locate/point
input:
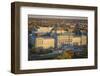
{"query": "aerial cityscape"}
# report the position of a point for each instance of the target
(57, 37)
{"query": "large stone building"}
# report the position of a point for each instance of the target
(73, 40)
(76, 41)
(84, 39)
(44, 42)
(62, 39)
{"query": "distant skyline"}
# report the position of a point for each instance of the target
(57, 17)
(46, 20)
